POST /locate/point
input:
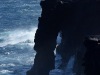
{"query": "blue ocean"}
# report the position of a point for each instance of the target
(18, 24)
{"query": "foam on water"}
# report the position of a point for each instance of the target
(5, 71)
(16, 51)
(17, 36)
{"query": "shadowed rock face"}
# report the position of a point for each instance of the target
(75, 20)
(91, 58)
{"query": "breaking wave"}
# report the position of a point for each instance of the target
(17, 36)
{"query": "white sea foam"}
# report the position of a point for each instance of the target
(5, 71)
(18, 36)
(6, 65)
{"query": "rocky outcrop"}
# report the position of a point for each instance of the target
(92, 56)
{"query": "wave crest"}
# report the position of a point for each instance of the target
(17, 36)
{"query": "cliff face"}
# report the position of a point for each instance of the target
(91, 58)
(75, 21)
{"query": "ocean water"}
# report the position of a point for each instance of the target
(18, 23)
